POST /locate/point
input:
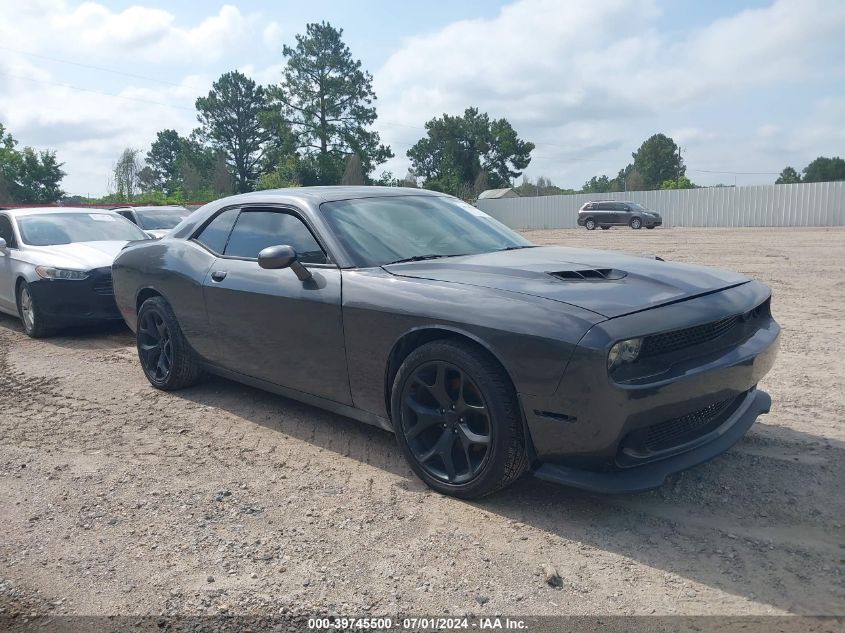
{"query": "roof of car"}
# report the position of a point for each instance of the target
(151, 207)
(22, 211)
(318, 195)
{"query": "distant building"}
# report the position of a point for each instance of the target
(495, 194)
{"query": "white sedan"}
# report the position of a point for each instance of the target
(55, 265)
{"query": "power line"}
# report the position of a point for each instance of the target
(96, 92)
(101, 68)
(736, 173)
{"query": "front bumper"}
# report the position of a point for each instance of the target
(620, 434)
(62, 301)
(652, 475)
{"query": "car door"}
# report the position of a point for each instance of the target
(8, 301)
(607, 214)
(267, 323)
(625, 213)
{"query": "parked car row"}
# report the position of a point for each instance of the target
(486, 355)
(55, 262)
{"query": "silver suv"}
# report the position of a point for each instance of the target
(607, 213)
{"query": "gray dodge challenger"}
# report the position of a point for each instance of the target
(486, 355)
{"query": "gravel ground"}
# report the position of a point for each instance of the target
(119, 499)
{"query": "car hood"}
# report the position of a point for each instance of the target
(77, 256)
(608, 283)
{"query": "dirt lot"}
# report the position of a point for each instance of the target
(118, 499)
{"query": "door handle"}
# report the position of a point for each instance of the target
(218, 275)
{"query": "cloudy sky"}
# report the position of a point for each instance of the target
(744, 87)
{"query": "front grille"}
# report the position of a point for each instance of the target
(686, 428)
(103, 286)
(657, 344)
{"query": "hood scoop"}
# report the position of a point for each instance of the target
(590, 274)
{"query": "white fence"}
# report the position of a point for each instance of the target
(806, 204)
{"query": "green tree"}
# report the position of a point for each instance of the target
(681, 183)
(28, 176)
(162, 160)
(825, 169)
(658, 159)
(328, 101)
(597, 184)
(10, 163)
(788, 176)
(231, 122)
(39, 177)
(458, 149)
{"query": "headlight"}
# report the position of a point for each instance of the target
(48, 272)
(622, 352)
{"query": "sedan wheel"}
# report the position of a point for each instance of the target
(636, 223)
(167, 359)
(33, 322)
(590, 224)
(457, 420)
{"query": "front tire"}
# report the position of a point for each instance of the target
(457, 420)
(31, 315)
(605, 228)
(636, 223)
(166, 358)
(590, 224)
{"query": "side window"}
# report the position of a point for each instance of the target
(6, 232)
(620, 206)
(127, 215)
(604, 206)
(216, 233)
(256, 230)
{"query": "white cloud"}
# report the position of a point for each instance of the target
(136, 33)
(272, 35)
(585, 74)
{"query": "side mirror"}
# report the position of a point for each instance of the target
(283, 256)
(3, 244)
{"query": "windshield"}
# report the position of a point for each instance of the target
(50, 229)
(152, 219)
(378, 231)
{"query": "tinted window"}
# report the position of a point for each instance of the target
(49, 229)
(256, 230)
(604, 206)
(620, 206)
(215, 234)
(6, 231)
(152, 219)
(377, 231)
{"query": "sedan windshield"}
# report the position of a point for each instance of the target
(152, 219)
(378, 231)
(50, 229)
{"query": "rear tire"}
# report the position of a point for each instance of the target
(605, 228)
(457, 420)
(30, 313)
(590, 224)
(636, 223)
(167, 360)
(649, 227)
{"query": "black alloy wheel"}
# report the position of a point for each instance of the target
(446, 422)
(457, 419)
(155, 346)
(166, 358)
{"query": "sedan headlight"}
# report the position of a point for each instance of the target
(623, 352)
(48, 272)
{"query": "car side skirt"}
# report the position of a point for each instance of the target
(307, 398)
